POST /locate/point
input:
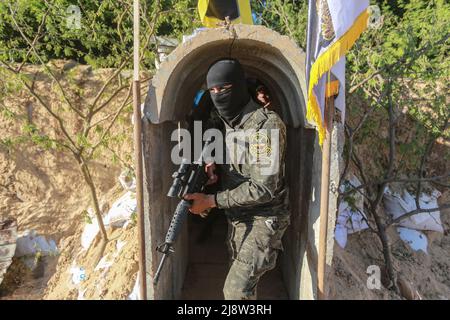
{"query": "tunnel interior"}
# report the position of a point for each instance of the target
(198, 267)
(208, 263)
(208, 257)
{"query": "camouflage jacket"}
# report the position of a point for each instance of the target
(252, 179)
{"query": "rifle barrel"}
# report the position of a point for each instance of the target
(158, 272)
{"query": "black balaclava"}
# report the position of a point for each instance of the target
(230, 102)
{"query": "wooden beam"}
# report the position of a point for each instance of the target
(324, 199)
(138, 151)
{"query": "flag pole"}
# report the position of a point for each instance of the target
(138, 151)
(324, 198)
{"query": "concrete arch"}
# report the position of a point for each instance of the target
(264, 53)
(280, 64)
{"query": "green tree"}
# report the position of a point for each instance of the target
(84, 118)
(397, 77)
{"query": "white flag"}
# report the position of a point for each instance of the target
(333, 28)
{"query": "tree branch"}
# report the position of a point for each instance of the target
(124, 103)
(417, 211)
(391, 160)
(33, 47)
(73, 148)
(401, 62)
(394, 179)
(36, 38)
(106, 84)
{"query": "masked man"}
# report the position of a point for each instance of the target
(253, 192)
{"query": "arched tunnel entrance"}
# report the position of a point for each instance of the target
(277, 62)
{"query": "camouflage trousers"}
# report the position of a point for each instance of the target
(253, 246)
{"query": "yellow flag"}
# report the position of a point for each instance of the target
(333, 28)
(213, 12)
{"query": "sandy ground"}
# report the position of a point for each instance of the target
(44, 190)
(111, 283)
(425, 274)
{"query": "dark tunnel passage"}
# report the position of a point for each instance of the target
(208, 259)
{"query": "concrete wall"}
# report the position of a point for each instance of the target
(159, 209)
(264, 53)
(308, 280)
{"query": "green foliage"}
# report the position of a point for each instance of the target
(350, 198)
(102, 39)
(407, 55)
(83, 141)
(39, 139)
(133, 219)
(8, 143)
(8, 114)
(289, 17)
(407, 61)
(104, 35)
(178, 18)
(409, 52)
(86, 217)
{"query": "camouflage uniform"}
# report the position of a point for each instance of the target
(254, 202)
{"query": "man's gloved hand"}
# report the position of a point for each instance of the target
(201, 202)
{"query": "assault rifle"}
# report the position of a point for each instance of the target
(190, 178)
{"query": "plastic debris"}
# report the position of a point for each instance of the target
(121, 210)
(103, 264)
(119, 246)
(29, 244)
(415, 239)
(399, 203)
(90, 231)
(117, 217)
(8, 238)
(351, 218)
(78, 275)
(81, 294)
(135, 294)
(127, 180)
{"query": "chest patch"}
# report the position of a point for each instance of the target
(259, 145)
